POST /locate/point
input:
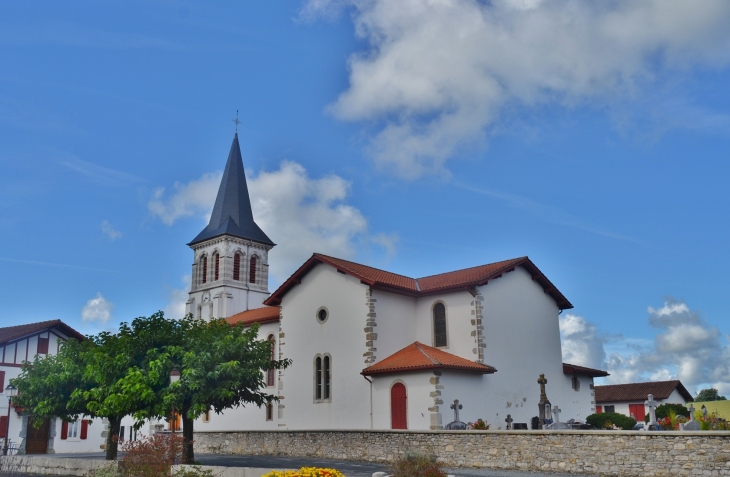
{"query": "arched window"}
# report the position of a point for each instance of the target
(216, 266)
(204, 265)
(318, 378)
(237, 266)
(252, 270)
(270, 374)
(326, 377)
(269, 411)
(323, 378)
(439, 325)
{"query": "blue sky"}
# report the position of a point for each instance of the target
(416, 136)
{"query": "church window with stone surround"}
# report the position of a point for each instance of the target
(322, 378)
(439, 325)
(252, 270)
(204, 265)
(269, 411)
(270, 374)
(318, 378)
(576, 383)
(216, 266)
(237, 266)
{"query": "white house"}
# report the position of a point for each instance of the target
(629, 399)
(374, 349)
(23, 343)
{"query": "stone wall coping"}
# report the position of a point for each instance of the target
(487, 432)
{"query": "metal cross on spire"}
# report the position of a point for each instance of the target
(236, 121)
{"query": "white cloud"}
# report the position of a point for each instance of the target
(437, 74)
(98, 309)
(109, 230)
(175, 308)
(581, 343)
(191, 199)
(301, 214)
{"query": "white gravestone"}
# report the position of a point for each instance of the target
(652, 405)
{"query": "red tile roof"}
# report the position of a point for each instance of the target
(639, 391)
(266, 314)
(583, 371)
(10, 333)
(419, 357)
(456, 280)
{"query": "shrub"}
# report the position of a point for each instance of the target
(599, 421)
(666, 410)
(305, 472)
(479, 425)
(151, 456)
(414, 464)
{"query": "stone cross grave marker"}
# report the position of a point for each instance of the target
(456, 406)
(509, 420)
(691, 425)
(691, 410)
(556, 413)
(652, 405)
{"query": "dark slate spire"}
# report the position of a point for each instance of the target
(232, 211)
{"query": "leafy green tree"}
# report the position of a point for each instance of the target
(710, 394)
(46, 385)
(222, 366)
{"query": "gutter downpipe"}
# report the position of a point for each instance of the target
(371, 400)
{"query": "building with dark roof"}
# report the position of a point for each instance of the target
(629, 398)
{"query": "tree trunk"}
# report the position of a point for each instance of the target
(188, 456)
(112, 438)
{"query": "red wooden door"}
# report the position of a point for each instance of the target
(637, 411)
(398, 407)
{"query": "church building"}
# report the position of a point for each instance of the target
(372, 349)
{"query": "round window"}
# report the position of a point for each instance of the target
(322, 315)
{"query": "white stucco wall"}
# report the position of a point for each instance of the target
(396, 323)
(342, 336)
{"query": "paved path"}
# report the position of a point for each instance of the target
(347, 467)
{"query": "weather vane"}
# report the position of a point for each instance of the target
(236, 121)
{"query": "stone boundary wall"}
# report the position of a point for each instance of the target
(622, 453)
(41, 464)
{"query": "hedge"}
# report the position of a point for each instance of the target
(599, 420)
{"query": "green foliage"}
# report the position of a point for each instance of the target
(607, 419)
(666, 410)
(416, 464)
(710, 394)
(46, 386)
(194, 471)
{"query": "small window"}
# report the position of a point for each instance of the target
(121, 433)
(271, 373)
(204, 265)
(73, 430)
(237, 267)
(252, 270)
(322, 314)
(322, 378)
(326, 377)
(42, 345)
(216, 267)
(205, 417)
(269, 411)
(318, 378)
(609, 408)
(439, 325)
(576, 383)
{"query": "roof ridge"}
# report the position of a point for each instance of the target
(472, 268)
(433, 361)
(31, 324)
(362, 265)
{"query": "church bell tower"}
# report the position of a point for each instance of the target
(231, 254)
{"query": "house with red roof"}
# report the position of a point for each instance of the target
(24, 343)
(629, 398)
(373, 349)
